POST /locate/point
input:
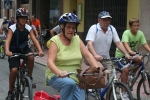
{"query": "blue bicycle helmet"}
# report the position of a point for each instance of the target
(69, 17)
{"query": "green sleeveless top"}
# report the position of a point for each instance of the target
(68, 57)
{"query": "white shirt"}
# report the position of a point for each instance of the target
(57, 29)
(102, 41)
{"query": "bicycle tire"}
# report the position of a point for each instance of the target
(2, 53)
(141, 95)
(27, 85)
(42, 42)
(17, 91)
(118, 91)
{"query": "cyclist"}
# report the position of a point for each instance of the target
(65, 55)
(33, 27)
(56, 30)
(36, 23)
(4, 25)
(99, 39)
(11, 21)
(2, 37)
(16, 42)
(131, 39)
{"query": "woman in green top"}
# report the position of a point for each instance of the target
(65, 55)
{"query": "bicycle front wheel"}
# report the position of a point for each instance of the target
(118, 86)
(92, 94)
(143, 89)
(27, 89)
(41, 42)
(2, 53)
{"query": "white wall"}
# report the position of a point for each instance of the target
(144, 17)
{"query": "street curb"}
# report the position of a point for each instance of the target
(40, 63)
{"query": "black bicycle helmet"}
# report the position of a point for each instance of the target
(69, 17)
(21, 12)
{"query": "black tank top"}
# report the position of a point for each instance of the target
(20, 38)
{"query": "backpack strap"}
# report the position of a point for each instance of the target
(111, 29)
(96, 28)
(109, 26)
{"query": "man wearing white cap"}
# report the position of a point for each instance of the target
(99, 39)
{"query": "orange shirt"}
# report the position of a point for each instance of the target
(36, 23)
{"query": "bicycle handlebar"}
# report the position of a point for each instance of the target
(67, 75)
(23, 55)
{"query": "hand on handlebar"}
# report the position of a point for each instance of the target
(41, 54)
(98, 58)
(9, 54)
(132, 53)
(62, 74)
(128, 57)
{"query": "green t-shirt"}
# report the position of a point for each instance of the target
(68, 57)
(132, 40)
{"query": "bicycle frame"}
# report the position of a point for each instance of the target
(22, 71)
(111, 82)
(141, 72)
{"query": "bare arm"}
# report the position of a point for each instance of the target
(52, 52)
(146, 46)
(122, 48)
(93, 52)
(52, 32)
(36, 43)
(40, 29)
(7, 42)
(36, 33)
(88, 56)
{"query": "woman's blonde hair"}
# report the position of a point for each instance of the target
(132, 20)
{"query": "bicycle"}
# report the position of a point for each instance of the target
(113, 85)
(23, 85)
(32, 46)
(143, 93)
(2, 51)
(41, 39)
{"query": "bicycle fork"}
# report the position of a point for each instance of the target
(114, 94)
(19, 83)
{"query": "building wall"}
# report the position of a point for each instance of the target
(132, 10)
(8, 13)
(144, 17)
(69, 5)
(81, 26)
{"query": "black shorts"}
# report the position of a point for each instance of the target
(14, 62)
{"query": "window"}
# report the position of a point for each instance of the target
(54, 12)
